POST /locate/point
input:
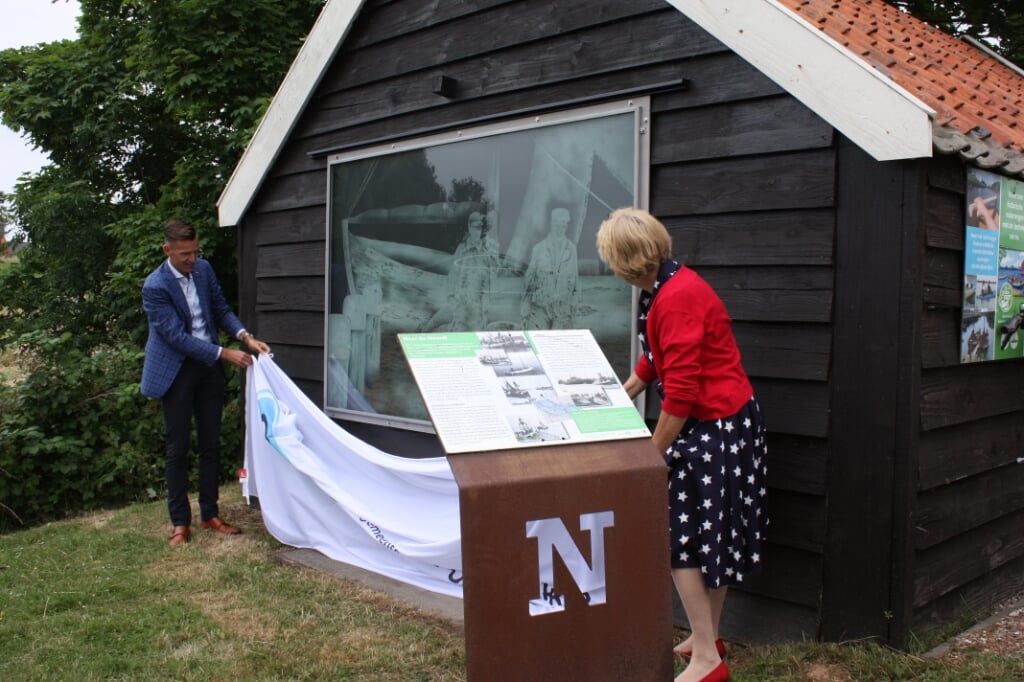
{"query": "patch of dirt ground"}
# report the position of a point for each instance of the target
(823, 672)
(1001, 634)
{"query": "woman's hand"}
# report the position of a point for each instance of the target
(667, 430)
(634, 386)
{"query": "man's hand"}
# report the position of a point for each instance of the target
(236, 357)
(255, 345)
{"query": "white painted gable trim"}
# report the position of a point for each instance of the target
(875, 113)
(299, 83)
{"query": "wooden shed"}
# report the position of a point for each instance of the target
(811, 160)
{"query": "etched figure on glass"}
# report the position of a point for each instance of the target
(470, 280)
(550, 292)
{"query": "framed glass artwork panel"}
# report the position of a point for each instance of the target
(483, 229)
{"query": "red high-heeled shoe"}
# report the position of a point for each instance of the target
(719, 644)
(719, 674)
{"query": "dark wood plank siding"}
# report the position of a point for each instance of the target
(967, 599)
(873, 338)
(743, 176)
(969, 512)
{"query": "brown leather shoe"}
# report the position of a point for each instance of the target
(180, 535)
(217, 524)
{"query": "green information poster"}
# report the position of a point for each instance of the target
(993, 294)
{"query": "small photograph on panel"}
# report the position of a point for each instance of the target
(595, 378)
(985, 294)
(970, 292)
(523, 390)
(1010, 331)
(519, 364)
(534, 430)
(493, 358)
(504, 341)
(590, 396)
(976, 338)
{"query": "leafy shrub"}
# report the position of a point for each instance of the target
(76, 434)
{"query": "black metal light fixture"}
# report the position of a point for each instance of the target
(444, 86)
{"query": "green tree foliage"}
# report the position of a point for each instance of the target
(143, 116)
(998, 23)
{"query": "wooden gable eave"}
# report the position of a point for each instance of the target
(296, 89)
(870, 110)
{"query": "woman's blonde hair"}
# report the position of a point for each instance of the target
(633, 242)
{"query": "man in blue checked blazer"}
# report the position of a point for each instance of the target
(183, 369)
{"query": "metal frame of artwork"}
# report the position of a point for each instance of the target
(490, 228)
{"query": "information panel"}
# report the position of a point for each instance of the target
(514, 389)
(993, 296)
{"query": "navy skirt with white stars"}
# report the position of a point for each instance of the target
(717, 486)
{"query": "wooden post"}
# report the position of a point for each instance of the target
(519, 509)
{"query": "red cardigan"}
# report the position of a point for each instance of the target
(694, 350)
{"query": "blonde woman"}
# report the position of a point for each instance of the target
(710, 429)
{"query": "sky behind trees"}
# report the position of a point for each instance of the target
(28, 22)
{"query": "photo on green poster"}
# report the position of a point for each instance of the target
(487, 228)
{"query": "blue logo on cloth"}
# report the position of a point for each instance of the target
(270, 415)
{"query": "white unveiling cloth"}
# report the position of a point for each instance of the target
(320, 487)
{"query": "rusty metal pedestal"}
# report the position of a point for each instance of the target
(629, 636)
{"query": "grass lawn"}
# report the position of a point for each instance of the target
(102, 597)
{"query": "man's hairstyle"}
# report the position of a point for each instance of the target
(178, 231)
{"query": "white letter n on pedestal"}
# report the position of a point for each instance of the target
(552, 536)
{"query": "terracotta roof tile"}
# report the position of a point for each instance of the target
(977, 98)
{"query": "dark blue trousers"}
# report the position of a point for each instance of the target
(197, 391)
